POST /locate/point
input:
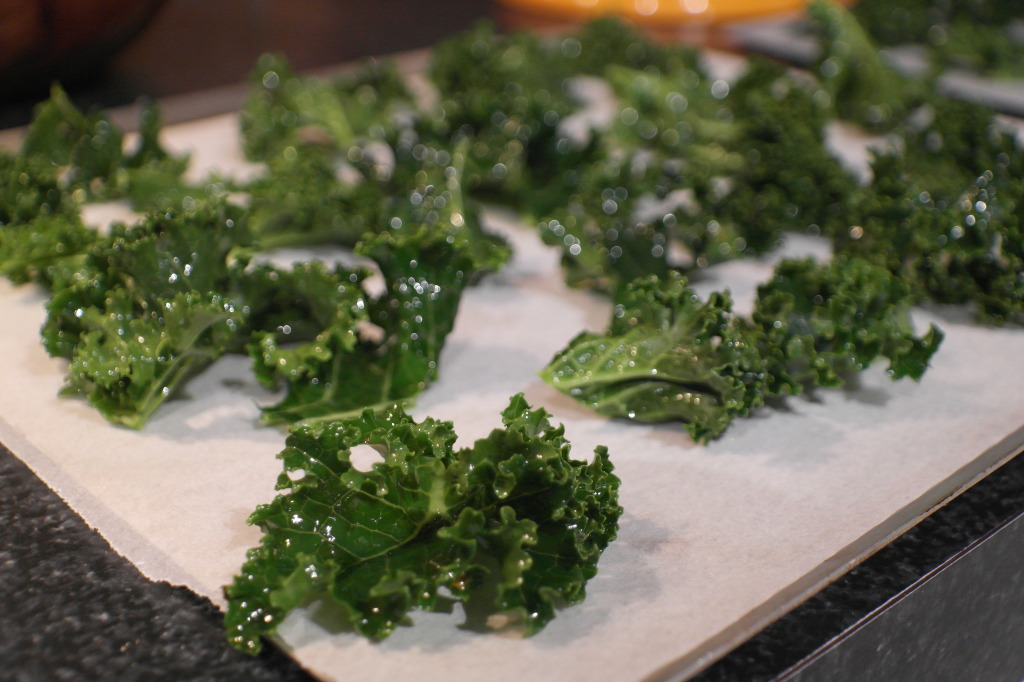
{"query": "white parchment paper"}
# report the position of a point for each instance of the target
(715, 541)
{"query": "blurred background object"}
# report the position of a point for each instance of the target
(66, 40)
(111, 52)
(983, 36)
(662, 11)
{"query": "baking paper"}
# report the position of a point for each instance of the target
(715, 541)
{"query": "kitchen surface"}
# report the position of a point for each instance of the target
(926, 587)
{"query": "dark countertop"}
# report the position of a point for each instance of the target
(74, 609)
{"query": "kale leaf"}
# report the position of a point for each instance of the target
(603, 243)
(513, 517)
(963, 248)
(821, 323)
(287, 114)
(40, 227)
(88, 149)
(669, 356)
(127, 364)
(148, 308)
(666, 356)
(975, 35)
(425, 274)
(863, 87)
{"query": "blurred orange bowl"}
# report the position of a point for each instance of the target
(662, 11)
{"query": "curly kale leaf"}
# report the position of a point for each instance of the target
(31, 187)
(512, 518)
(284, 111)
(128, 364)
(824, 322)
(300, 318)
(35, 251)
(975, 35)
(87, 146)
(88, 149)
(603, 243)
(425, 275)
(669, 356)
(789, 180)
(946, 144)
(666, 356)
(962, 248)
(168, 253)
(506, 94)
(864, 89)
(150, 305)
(40, 228)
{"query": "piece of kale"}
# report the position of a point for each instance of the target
(667, 355)
(864, 89)
(966, 248)
(40, 228)
(974, 35)
(398, 357)
(511, 523)
(288, 114)
(821, 323)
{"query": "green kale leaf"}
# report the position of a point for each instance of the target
(40, 228)
(88, 147)
(603, 243)
(88, 151)
(863, 87)
(284, 111)
(666, 356)
(398, 356)
(128, 364)
(789, 180)
(669, 356)
(512, 519)
(824, 322)
(975, 35)
(963, 247)
(35, 251)
(168, 253)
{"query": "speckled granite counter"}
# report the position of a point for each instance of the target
(75, 610)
